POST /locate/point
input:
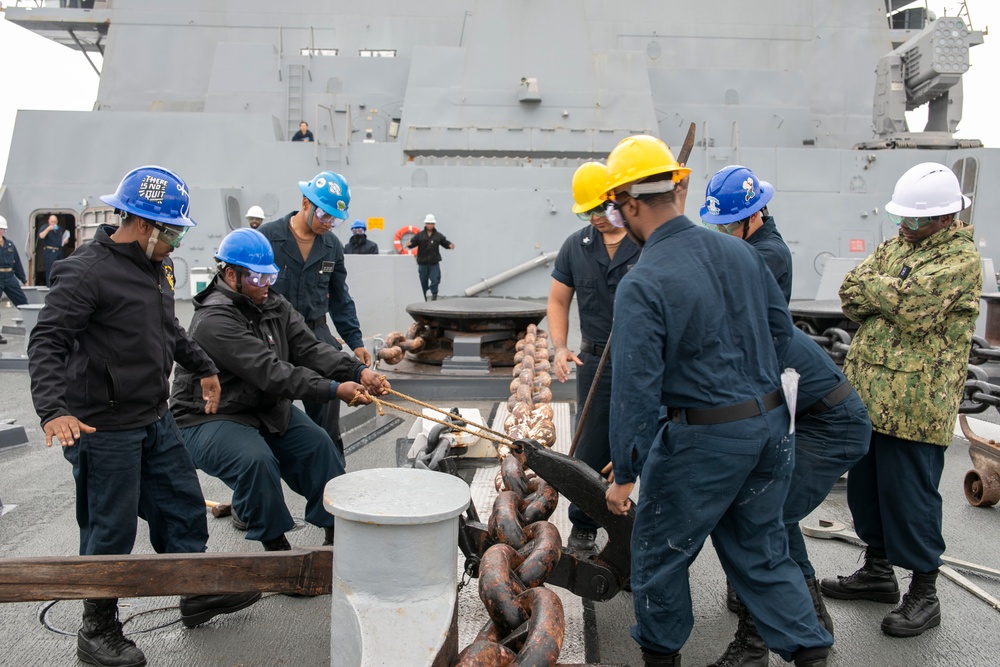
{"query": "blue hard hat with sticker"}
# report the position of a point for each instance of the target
(153, 193)
(734, 194)
(248, 248)
(328, 191)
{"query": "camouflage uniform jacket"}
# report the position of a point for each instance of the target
(917, 305)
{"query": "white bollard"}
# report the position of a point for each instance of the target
(394, 565)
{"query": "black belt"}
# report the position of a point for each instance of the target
(314, 324)
(591, 348)
(831, 400)
(730, 413)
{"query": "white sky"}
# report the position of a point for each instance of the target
(36, 73)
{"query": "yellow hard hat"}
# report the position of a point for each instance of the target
(639, 156)
(590, 186)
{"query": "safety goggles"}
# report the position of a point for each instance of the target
(171, 235)
(255, 279)
(911, 223)
(729, 228)
(358, 231)
(598, 211)
(326, 218)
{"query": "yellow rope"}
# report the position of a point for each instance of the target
(445, 412)
(481, 431)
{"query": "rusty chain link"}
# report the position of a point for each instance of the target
(527, 622)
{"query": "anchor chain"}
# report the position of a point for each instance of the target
(527, 623)
(835, 341)
(978, 395)
(393, 348)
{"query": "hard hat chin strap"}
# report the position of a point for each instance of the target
(151, 243)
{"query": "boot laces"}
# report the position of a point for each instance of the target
(110, 630)
(912, 600)
(867, 569)
(737, 648)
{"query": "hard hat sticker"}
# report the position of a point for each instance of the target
(153, 189)
(320, 182)
(748, 186)
(335, 188)
(712, 206)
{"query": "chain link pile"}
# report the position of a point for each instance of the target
(395, 345)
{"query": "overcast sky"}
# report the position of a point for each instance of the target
(36, 73)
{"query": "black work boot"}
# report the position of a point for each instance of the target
(238, 523)
(821, 613)
(653, 659)
(100, 640)
(582, 541)
(733, 603)
(327, 536)
(277, 544)
(196, 609)
(874, 581)
(919, 611)
(747, 648)
(3, 341)
(811, 657)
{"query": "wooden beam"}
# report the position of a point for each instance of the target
(303, 571)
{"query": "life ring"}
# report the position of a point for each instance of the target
(399, 243)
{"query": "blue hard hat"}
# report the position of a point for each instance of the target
(153, 193)
(248, 248)
(328, 191)
(734, 194)
(358, 224)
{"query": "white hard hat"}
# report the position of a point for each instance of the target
(429, 220)
(3, 222)
(926, 191)
(255, 212)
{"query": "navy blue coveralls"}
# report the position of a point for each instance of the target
(832, 428)
(583, 264)
(11, 273)
(316, 287)
(768, 242)
(52, 249)
(832, 432)
(706, 324)
(257, 438)
(102, 351)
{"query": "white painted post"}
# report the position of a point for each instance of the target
(394, 565)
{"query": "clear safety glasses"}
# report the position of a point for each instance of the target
(598, 211)
(171, 235)
(911, 223)
(728, 228)
(326, 218)
(255, 279)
